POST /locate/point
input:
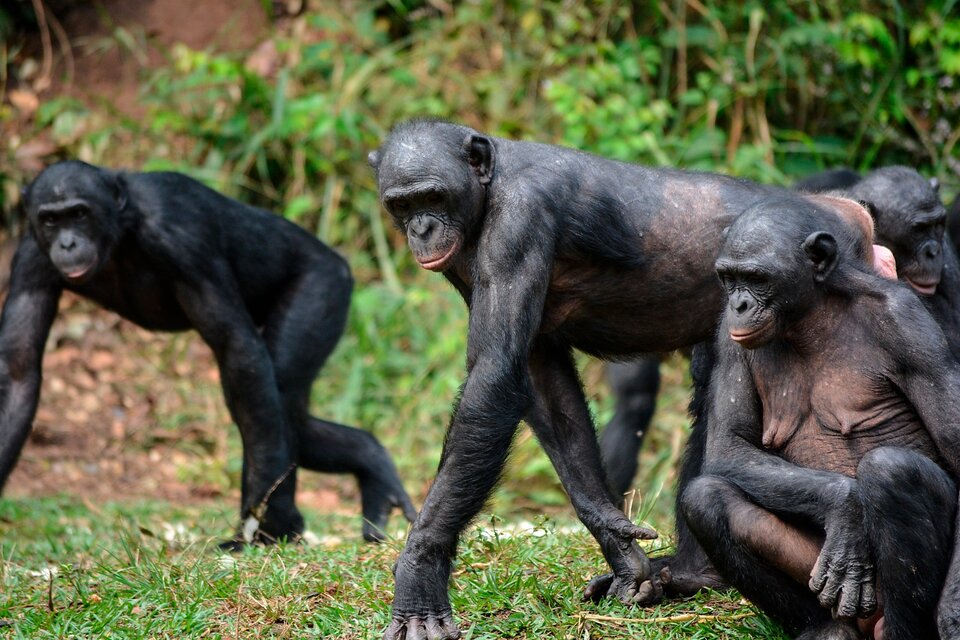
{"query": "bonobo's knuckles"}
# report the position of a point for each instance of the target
(429, 627)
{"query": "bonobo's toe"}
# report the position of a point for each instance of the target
(629, 591)
(416, 628)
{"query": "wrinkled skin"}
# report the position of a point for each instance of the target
(828, 487)
(552, 250)
(169, 254)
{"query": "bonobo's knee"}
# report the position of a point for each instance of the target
(889, 471)
(702, 501)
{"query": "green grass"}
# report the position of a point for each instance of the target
(151, 570)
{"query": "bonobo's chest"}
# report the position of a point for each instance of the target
(827, 411)
(138, 291)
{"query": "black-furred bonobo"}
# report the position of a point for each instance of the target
(552, 249)
(910, 220)
(834, 443)
(169, 254)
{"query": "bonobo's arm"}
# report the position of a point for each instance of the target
(510, 277)
(28, 312)
(214, 306)
(929, 375)
(843, 578)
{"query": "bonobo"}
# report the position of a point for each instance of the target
(828, 488)
(552, 249)
(910, 221)
(169, 254)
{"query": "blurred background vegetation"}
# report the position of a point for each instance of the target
(768, 91)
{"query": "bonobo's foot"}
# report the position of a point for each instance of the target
(631, 581)
(833, 630)
(380, 492)
(421, 609)
(667, 579)
(277, 525)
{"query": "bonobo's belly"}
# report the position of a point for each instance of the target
(611, 312)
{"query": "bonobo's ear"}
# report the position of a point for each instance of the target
(479, 150)
(870, 207)
(119, 191)
(373, 158)
(935, 184)
(821, 248)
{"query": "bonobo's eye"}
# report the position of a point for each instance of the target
(48, 221)
(80, 213)
(399, 205)
(433, 198)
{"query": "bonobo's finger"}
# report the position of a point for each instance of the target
(849, 600)
(643, 533)
(818, 577)
(598, 587)
(626, 593)
(449, 627)
(868, 598)
(650, 592)
(396, 631)
(415, 630)
(831, 590)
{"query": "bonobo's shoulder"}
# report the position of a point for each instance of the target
(897, 315)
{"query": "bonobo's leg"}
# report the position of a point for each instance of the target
(767, 559)
(908, 507)
(300, 333)
(689, 569)
(635, 386)
(948, 609)
(561, 420)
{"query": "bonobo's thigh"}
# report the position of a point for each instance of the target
(908, 505)
(948, 610)
(767, 559)
(634, 386)
(304, 326)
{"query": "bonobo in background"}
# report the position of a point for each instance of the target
(552, 249)
(829, 479)
(910, 220)
(169, 254)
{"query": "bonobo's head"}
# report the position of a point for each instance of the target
(72, 208)
(432, 178)
(775, 261)
(910, 220)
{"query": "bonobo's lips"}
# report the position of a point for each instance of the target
(437, 264)
(77, 273)
(749, 338)
(928, 288)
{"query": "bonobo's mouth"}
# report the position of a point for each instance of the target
(923, 287)
(438, 264)
(749, 338)
(77, 273)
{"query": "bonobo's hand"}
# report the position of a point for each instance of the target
(421, 609)
(843, 577)
(630, 582)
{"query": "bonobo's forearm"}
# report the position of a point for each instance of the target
(478, 441)
(18, 404)
(780, 486)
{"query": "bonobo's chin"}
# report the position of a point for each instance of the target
(750, 338)
(432, 263)
(926, 288)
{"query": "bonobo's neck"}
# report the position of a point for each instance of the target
(820, 325)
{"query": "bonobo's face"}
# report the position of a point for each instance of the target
(769, 273)
(70, 208)
(432, 179)
(910, 221)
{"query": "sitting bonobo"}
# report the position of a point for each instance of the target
(169, 254)
(828, 490)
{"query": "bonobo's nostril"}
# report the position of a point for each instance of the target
(742, 306)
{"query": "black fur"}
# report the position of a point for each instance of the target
(170, 254)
